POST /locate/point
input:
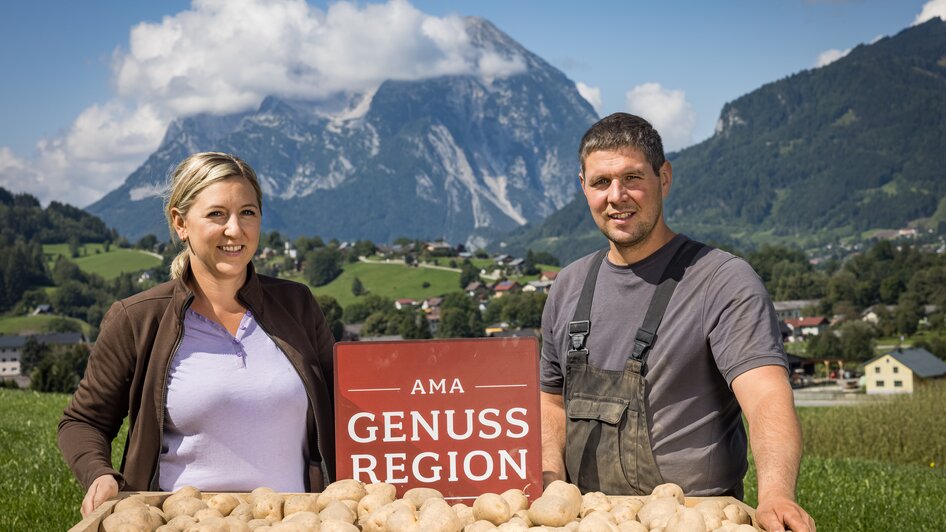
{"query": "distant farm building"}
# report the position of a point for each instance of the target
(900, 371)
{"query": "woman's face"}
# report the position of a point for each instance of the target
(222, 229)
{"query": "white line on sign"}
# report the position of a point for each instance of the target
(501, 386)
(374, 390)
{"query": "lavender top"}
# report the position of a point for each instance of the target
(236, 412)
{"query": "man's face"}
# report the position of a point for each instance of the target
(625, 195)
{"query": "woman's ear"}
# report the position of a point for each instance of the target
(179, 224)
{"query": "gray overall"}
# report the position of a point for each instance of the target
(608, 445)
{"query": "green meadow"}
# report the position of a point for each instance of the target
(108, 264)
(34, 324)
(856, 476)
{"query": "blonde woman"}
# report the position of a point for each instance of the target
(225, 375)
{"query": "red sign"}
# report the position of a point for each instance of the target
(459, 416)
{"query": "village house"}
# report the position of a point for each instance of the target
(11, 349)
(548, 276)
(802, 328)
(537, 286)
(793, 308)
(901, 371)
(405, 303)
(506, 287)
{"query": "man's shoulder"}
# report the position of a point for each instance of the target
(577, 269)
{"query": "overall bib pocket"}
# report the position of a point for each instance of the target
(602, 437)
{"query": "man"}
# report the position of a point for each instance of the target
(654, 347)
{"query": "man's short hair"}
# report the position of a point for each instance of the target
(623, 130)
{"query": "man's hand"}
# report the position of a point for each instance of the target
(777, 514)
(553, 437)
(102, 489)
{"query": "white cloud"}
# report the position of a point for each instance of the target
(225, 56)
(931, 9)
(592, 94)
(667, 110)
(829, 56)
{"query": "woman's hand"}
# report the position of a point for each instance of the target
(102, 489)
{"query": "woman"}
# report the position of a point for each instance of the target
(225, 375)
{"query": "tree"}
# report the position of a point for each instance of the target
(825, 346)
(459, 317)
(147, 242)
(857, 341)
(358, 312)
(357, 288)
(322, 266)
(333, 315)
(529, 266)
(33, 353)
(60, 372)
(468, 274)
(62, 325)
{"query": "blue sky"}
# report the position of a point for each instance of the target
(90, 86)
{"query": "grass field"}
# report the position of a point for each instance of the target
(94, 259)
(33, 324)
(391, 280)
(873, 485)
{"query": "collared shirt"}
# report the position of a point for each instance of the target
(236, 412)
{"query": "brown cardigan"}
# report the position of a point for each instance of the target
(128, 367)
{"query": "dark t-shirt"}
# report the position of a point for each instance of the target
(719, 324)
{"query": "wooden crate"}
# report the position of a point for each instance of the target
(93, 522)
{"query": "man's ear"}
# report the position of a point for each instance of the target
(581, 178)
(666, 178)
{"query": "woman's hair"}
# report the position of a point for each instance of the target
(190, 178)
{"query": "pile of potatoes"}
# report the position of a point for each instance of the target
(351, 506)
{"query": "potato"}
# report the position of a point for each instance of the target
(243, 511)
(182, 522)
(306, 519)
(516, 500)
(337, 511)
(223, 503)
(417, 496)
(745, 528)
(436, 515)
(668, 491)
(558, 505)
(258, 523)
(402, 519)
(632, 526)
(289, 527)
(129, 502)
(167, 528)
(383, 488)
(268, 506)
(348, 489)
(656, 512)
(524, 515)
(235, 524)
(594, 500)
(598, 522)
(712, 512)
(372, 501)
(188, 491)
(491, 507)
(337, 526)
(210, 524)
(624, 511)
(513, 525)
(137, 516)
(300, 502)
(479, 526)
(737, 514)
(206, 513)
(376, 521)
(176, 505)
(686, 520)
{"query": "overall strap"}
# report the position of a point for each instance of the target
(580, 325)
(647, 333)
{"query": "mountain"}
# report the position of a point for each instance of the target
(463, 157)
(825, 154)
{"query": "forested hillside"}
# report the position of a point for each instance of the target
(818, 157)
